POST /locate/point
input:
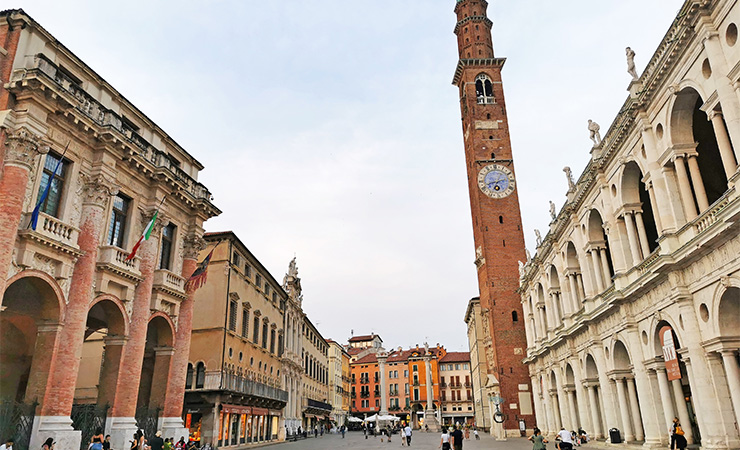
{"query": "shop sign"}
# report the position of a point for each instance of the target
(669, 354)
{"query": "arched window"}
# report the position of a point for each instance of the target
(200, 375)
(189, 377)
(484, 89)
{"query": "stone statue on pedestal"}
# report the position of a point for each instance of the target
(593, 129)
(521, 269)
(538, 236)
(631, 64)
(553, 212)
(569, 175)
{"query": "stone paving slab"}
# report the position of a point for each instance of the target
(420, 440)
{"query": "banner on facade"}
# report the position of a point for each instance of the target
(236, 409)
(669, 354)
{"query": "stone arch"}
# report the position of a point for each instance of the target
(620, 356)
(571, 257)
(659, 323)
(728, 313)
(592, 371)
(32, 311)
(114, 308)
(553, 277)
(597, 237)
(636, 199)
(541, 298)
(692, 130)
(158, 350)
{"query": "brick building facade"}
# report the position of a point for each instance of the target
(72, 305)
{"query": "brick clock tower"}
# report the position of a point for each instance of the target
(497, 223)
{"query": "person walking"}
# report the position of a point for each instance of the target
(407, 433)
(678, 440)
(344, 430)
(96, 441)
(538, 440)
(457, 438)
(444, 442)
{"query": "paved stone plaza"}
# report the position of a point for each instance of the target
(356, 440)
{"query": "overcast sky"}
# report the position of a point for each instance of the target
(329, 129)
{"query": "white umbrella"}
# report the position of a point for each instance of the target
(372, 418)
(354, 419)
(388, 417)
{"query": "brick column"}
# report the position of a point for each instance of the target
(162, 362)
(21, 149)
(111, 368)
(172, 424)
(47, 335)
(123, 422)
(57, 405)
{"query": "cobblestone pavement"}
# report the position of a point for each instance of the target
(420, 440)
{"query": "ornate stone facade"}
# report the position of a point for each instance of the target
(87, 325)
(645, 252)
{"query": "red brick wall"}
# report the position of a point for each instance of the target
(9, 37)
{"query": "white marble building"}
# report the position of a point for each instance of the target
(649, 238)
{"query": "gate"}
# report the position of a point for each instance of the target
(87, 418)
(16, 422)
(147, 419)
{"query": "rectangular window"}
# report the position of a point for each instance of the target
(50, 205)
(256, 330)
(280, 345)
(416, 395)
(264, 335)
(405, 373)
(408, 402)
(232, 315)
(415, 368)
(465, 366)
(248, 271)
(258, 281)
(444, 396)
(267, 289)
(117, 228)
(272, 341)
(457, 366)
(274, 297)
(168, 238)
(236, 260)
(406, 389)
(245, 322)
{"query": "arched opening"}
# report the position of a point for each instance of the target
(189, 377)
(601, 254)
(629, 403)
(574, 276)
(200, 375)
(638, 217)
(29, 327)
(728, 320)
(556, 293)
(155, 367)
(483, 89)
(706, 175)
(543, 306)
(680, 402)
(728, 314)
(570, 387)
(593, 389)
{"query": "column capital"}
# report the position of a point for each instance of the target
(712, 114)
(115, 340)
(147, 215)
(97, 190)
(192, 246)
(22, 148)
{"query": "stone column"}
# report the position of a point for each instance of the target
(543, 321)
(594, 407)
(683, 411)
(123, 422)
(574, 423)
(635, 408)
(22, 148)
(430, 418)
(557, 418)
(605, 266)
(732, 372)
(698, 183)
(644, 244)
(57, 407)
(687, 198)
(175, 396)
(382, 358)
(665, 397)
(723, 142)
(574, 292)
(654, 207)
(598, 272)
(111, 368)
(579, 285)
(624, 410)
(632, 238)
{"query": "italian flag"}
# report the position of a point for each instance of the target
(144, 236)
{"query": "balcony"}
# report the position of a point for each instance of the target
(52, 232)
(169, 282)
(113, 259)
(316, 405)
(241, 385)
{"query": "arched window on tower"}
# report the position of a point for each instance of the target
(484, 89)
(189, 377)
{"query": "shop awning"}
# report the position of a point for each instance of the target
(236, 409)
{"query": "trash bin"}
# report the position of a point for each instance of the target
(614, 436)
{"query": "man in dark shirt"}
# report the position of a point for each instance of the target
(457, 438)
(156, 443)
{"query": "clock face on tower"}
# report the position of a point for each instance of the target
(496, 181)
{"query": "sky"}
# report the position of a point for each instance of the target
(330, 131)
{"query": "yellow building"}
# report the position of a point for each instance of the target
(234, 393)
